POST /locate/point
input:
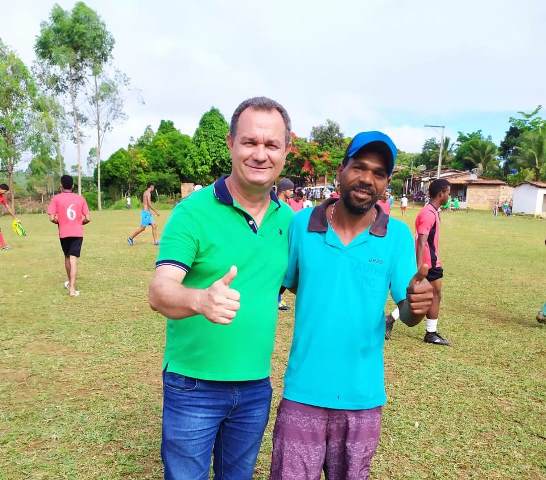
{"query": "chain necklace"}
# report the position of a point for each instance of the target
(333, 211)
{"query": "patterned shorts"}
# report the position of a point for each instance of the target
(308, 440)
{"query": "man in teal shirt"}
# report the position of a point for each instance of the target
(222, 259)
(329, 418)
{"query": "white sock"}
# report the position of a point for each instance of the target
(432, 324)
(395, 313)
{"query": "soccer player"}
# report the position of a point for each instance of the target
(427, 246)
(146, 217)
(4, 202)
(70, 212)
(330, 415)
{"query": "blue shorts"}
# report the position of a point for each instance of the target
(146, 218)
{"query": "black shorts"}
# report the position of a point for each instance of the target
(71, 246)
(435, 273)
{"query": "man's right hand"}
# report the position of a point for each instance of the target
(219, 303)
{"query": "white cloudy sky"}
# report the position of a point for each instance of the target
(392, 65)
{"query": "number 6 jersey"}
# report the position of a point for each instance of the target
(70, 209)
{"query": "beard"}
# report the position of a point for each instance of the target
(358, 206)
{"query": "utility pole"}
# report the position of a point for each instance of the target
(441, 147)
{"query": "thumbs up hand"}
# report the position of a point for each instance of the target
(220, 303)
(419, 292)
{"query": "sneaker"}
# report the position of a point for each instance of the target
(389, 323)
(130, 241)
(66, 284)
(435, 338)
(5, 247)
(156, 243)
(540, 317)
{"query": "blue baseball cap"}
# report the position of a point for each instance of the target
(378, 141)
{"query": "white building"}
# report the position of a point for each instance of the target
(530, 198)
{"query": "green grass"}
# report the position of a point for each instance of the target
(80, 392)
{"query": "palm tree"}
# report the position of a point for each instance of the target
(483, 154)
(531, 152)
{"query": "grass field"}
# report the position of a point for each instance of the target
(80, 392)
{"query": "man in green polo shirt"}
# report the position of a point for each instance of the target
(329, 418)
(222, 259)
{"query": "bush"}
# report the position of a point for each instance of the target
(91, 199)
(121, 204)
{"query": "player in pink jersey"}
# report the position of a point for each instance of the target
(427, 249)
(4, 202)
(70, 212)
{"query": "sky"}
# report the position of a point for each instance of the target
(391, 65)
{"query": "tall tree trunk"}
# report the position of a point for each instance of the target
(78, 141)
(99, 201)
(10, 183)
(57, 143)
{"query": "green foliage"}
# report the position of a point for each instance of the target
(510, 148)
(121, 204)
(463, 159)
(328, 136)
(171, 152)
(431, 152)
(92, 199)
(19, 111)
(166, 158)
(210, 142)
(481, 154)
(531, 152)
(77, 42)
(397, 186)
(523, 175)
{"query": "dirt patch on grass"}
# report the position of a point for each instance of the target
(47, 347)
(11, 376)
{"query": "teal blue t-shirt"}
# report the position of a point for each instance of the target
(336, 360)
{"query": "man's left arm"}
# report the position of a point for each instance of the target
(411, 291)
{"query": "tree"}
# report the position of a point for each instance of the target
(483, 155)
(431, 152)
(71, 44)
(18, 111)
(328, 136)
(531, 152)
(210, 142)
(44, 172)
(106, 104)
(171, 152)
(508, 150)
(122, 171)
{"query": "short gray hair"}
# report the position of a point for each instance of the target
(260, 103)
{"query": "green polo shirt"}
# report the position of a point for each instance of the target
(206, 234)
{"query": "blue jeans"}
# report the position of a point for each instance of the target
(202, 417)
